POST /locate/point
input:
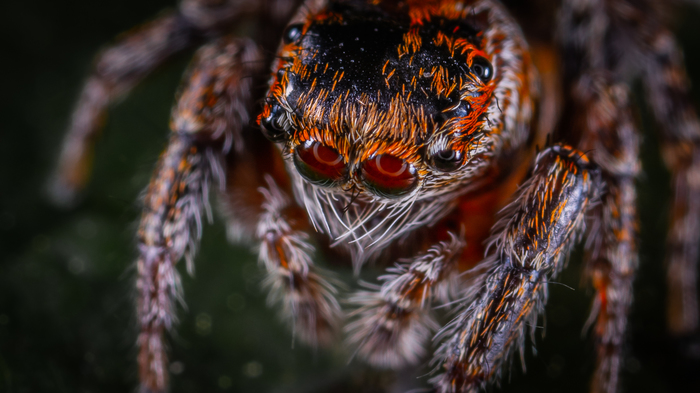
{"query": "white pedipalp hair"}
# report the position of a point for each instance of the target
(365, 224)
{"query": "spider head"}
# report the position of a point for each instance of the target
(391, 103)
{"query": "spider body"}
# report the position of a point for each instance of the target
(400, 131)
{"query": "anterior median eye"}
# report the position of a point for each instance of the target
(389, 176)
(319, 164)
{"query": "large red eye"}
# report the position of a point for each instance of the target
(319, 164)
(389, 176)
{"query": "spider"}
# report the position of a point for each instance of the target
(432, 138)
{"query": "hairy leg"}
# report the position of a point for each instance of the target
(394, 322)
(124, 64)
(593, 31)
(304, 291)
(531, 243)
(203, 124)
(668, 92)
(611, 258)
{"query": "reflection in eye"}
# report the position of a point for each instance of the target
(389, 176)
(293, 33)
(319, 164)
(447, 160)
(272, 124)
(482, 68)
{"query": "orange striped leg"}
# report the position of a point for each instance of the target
(177, 197)
(394, 324)
(668, 92)
(611, 252)
(532, 241)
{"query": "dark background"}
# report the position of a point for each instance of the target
(66, 307)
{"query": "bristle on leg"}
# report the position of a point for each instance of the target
(307, 298)
(531, 241)
(393, 323)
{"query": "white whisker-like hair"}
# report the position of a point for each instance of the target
(367, 224)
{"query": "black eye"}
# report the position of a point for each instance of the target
(453, 106)
(482, 69)
(271, 124)
(292, 33)
(447, 160)
(461, 110)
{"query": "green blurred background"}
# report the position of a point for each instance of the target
(66, 306)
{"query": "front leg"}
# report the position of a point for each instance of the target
(531, 241)
(177, 196)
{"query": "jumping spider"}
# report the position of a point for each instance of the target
(419, 133)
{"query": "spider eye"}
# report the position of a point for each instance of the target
(292, 33)
(319, 164)
(271, 124)
(462, 110)
(482, 69)
(447, 160)
(389, 176)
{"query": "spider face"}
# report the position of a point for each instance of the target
(394, 104)
(366, 99)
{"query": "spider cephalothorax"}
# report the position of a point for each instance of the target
(398, 108)
(418, 132)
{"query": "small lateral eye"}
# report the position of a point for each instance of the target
(482, 69)
(319, 164)
(292, 33)
(462, 110)
(272, 126)
(447, 160)
(454, 107)
(389, 176)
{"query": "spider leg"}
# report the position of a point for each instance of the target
(611, 250)
(638, 29)
(668, 92)
(120, 67)
(532, 241)
(203, 123)
(393, 323)
(305, 292)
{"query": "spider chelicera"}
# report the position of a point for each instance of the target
(419, 133)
